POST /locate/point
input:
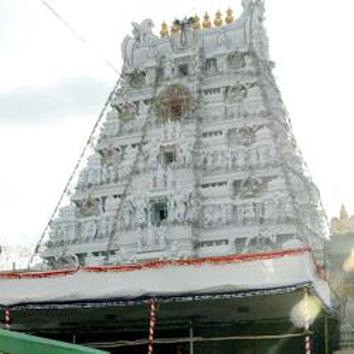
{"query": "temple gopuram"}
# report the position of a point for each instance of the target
(194, 225)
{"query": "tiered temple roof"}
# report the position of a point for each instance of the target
(196, 156)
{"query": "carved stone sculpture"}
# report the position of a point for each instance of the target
(142, 34)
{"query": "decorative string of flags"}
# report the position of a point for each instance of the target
(160, 264)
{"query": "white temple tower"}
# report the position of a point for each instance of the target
(196, 157)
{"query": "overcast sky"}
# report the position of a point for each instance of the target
(52, 88)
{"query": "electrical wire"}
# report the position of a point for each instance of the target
(90, 138)
(77, 34)
(78, 163)
(128, 343)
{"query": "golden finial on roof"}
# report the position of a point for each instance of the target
(164, 30)
(175, 27)
(206, 21)
(196, 22)
(218, 19)
(229, 16)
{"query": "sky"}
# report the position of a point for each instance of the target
(52, 88)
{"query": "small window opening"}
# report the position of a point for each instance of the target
(183, 70)
(237, 186)
(158, 212)
(168, 157)
(211, 65)
(81, 257)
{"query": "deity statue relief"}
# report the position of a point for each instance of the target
(141, 239)
(153, 151)
(90, 230)
(259, 36)
(270, 210)
(94, 174)
(252, 20)
(112, 203)
(236, 60)
(142, 34)
(139, 205)
(126, 211)
(250, 187)
(249, 215)
(171, 130)
(137, 78)
(173, 252)
(288, 211)
(264, 241)
(193, 208)
(180, 208)
(82, 180)
(160, 177)
(104, 228)
(217, 215)
(207, 216)
(165, 70)
(220, 216)
(151, 238)
(106, 174)
(236, 93)
(161, 233)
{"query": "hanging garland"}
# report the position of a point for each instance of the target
(160, 264)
